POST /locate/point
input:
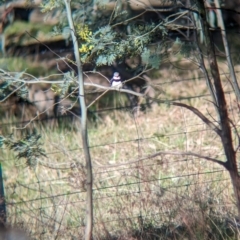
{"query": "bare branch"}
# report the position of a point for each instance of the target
(200, 115)
(167, 153)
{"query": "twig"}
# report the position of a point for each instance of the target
(167, 153)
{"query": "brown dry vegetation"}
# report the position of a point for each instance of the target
(135, 196)
(140, 192)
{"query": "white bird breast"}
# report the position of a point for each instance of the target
(116, 84)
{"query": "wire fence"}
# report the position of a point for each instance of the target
(139, 185)
(151, 176)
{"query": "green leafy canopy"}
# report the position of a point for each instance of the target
(110, 45)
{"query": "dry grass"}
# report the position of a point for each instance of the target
(163, 197)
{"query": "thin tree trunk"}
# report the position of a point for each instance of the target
(226, 47)
(89, 181)
(226, 134)
(203, 67)
(236, 187)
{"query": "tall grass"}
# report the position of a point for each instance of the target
(135, 196)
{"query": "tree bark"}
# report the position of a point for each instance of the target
(225, 128)
(226, 47)
(84, 132)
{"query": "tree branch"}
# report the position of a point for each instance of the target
(168, 153)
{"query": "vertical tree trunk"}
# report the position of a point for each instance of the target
(236, 187)
(226, 133)
(89, 182)
(226, 47)
(3, 213)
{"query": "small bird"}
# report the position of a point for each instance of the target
(116, 81)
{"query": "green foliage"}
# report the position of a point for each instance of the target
(4, 84)
(47, 5)
(85, 35)
(28, 147)
(105, 35)
(151, 59)
(103, 50)
(9, 87)
(110, 45)
(23, 92)
(2, 139)
(62, 88)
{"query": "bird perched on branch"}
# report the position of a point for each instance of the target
(116, 81)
